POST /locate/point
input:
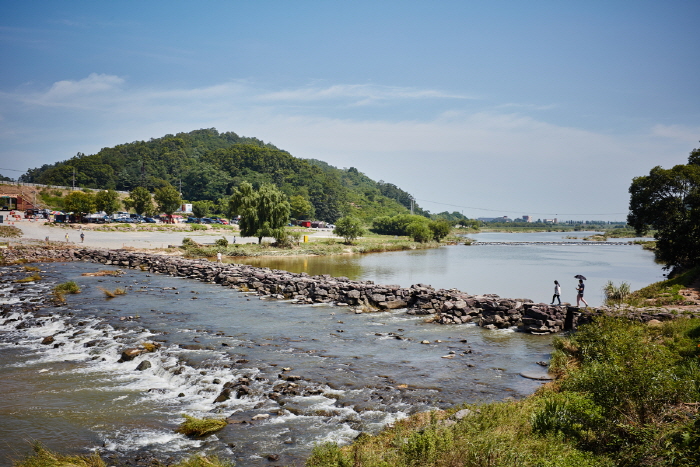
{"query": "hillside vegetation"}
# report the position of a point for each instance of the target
(208, 165)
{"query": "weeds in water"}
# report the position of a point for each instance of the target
(112, 293)
(200, 426)
(61, 290)
(104, 272)
(33, 278)
(43, 457)
(32, 269)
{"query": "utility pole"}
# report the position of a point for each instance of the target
(412, 205)
(73, 178)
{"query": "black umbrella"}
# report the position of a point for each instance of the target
(579, 276)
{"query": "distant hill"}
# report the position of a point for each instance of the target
(208, 165)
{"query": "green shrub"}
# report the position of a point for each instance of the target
(222, 242)
(419, 231)
(570, 414)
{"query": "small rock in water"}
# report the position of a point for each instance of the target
(425, 342)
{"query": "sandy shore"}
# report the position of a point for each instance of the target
(136, 239)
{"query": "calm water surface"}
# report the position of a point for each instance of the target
(512, 271)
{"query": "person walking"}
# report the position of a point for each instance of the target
(66, 236)
(579, 296)
(218, 258)
(82, 237)
(557, 293)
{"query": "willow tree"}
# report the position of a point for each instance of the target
(264, 213)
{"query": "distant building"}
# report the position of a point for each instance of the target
(527, 218)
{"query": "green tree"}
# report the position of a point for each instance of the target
(79, 202)
(349, 228)
(168, 199)
(440, 229)
(668, 200)
(419, 231)
(202, 208)
(107, 201)
(263, 213)
(140, 201)
(301, 208)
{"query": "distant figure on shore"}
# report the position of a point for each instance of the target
(579, 296)
(47, 240)
(234, 239)
(218, 258)
(557, 293)
(82, 237)
(67, 237)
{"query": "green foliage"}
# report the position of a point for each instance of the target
(140, 200)
(107, 201)
(440, 229)
(570, 414)
(349, 228)
(79, 202)
(193, 426)
(395, 225)
(419, 231)
(168, 199)
(210, 165)
(634, 375)
(263, 213)
(616, 294)
(222, 242)
(202, 208)
(669, 201)
(61, 290)
(301, 208)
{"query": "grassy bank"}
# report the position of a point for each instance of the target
(626, 395)
(316, 246)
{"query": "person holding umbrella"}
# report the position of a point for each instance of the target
(579, 289)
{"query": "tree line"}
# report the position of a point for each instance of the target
(207, 166)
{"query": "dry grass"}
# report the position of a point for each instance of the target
(112, 293)
(104, 272)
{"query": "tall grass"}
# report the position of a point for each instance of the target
(615, 295)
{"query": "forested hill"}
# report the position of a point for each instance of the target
(210, 164)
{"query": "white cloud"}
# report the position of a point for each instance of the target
(488, 158)
(363, 93)
(678, 132)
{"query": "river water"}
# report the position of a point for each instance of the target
(357, 372)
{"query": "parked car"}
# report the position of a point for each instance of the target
(192, 220)
(149, 220)
(206, 220)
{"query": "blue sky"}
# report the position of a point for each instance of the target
(491, 108)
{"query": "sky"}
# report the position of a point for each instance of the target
(488, 108)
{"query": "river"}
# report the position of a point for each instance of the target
(357, 372)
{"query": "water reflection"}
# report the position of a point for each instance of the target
(514, 271)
